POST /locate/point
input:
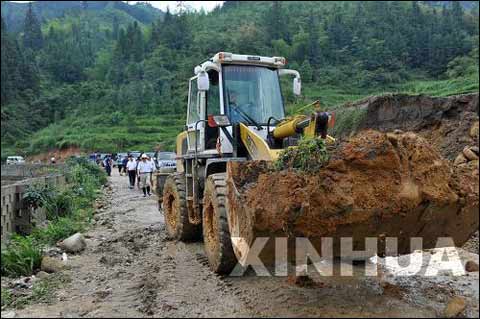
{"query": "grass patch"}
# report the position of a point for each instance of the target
(332, 97)
(103, 134)
(6, 298)
(21, 257)
(441, 87)
(348, 120)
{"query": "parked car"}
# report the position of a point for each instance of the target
(166, 159)
(14, 160)
(135, 154)
(92, 157)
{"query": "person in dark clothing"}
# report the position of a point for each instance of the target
(108, 165)
(123, 167)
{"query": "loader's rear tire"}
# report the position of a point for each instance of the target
(216, 236)
(175, 210)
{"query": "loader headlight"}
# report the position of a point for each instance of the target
(224, 56)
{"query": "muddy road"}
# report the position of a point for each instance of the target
(132, 269)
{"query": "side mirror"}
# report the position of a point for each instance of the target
(297, 86)
(203, 83)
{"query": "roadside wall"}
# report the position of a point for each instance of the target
(16, 217)
(31, 170)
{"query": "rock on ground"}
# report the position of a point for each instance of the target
(455, 307)
(74, 243)
(470, 154)
(51, 265)
(471, 266)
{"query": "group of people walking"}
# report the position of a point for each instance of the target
(139, 170)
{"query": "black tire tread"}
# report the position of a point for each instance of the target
(226, 259)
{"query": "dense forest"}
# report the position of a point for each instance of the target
(109, 75)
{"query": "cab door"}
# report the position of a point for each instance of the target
(196, 107)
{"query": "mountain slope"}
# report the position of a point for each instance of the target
(14, 13)
(108, 81)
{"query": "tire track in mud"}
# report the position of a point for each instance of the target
(165, 279)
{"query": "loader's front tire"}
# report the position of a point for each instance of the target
(216, 236)
(175, 210)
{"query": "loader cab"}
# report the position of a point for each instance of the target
(251, 94)
(244, 88)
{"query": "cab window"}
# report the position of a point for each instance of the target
(193, 111)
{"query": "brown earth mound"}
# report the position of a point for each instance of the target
(375, 185)
(449, 123)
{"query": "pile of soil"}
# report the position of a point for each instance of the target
(447, 122)
(450, 124)
(375, 185)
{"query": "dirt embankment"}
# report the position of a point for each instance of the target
(450, 123)
(376, 184)
(61, 155)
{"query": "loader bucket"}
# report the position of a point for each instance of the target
(375, 185)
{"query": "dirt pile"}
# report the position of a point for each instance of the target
(375, 185)
(449, 123)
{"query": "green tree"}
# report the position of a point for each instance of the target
(276, 23)
(306, 72)
(115, 27)
(313, 42)
(32, 33)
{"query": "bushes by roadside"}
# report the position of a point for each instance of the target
(68, 211)
(22, 256)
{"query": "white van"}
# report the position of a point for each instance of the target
(11, 160)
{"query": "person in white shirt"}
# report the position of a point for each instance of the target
(154, 168)
(132, 170)
(144, 169)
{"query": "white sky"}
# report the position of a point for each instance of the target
(196, 5)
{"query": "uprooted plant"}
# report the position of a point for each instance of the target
(310, 155)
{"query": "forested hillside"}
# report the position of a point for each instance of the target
(108, 75)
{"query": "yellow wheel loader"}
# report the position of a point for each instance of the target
(236, 115)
